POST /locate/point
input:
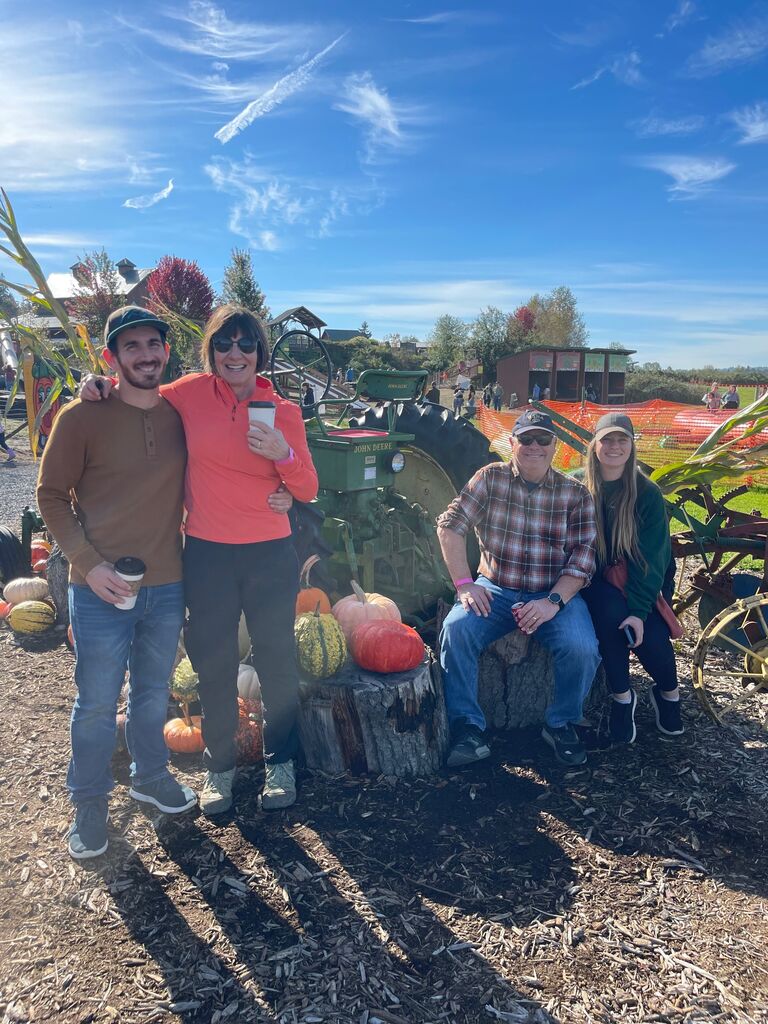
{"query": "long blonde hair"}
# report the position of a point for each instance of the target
(624, 543)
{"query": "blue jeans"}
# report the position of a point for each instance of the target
(107, 642)
(569, 636)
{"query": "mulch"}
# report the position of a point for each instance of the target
(631, 890)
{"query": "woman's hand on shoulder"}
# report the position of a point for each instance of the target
(93, 387)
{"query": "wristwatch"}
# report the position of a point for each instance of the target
(555, 598)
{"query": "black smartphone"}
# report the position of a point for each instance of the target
(629, 633)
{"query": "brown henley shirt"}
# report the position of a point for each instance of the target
(112, 484)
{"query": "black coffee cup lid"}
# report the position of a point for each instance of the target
(261, 405)
(130, 566)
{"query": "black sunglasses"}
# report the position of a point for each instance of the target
(543, 440)
(224, 344)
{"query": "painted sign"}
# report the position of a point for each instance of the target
(594, 362)
(38, 383)
(567, 360)
(540, 361)
(617, 362)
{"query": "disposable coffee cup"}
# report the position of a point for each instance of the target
(132, 571)
(261, 412)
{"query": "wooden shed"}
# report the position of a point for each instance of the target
(570, 374)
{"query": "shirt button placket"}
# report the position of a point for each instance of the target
(149, 436)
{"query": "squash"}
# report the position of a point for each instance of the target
(184, 682)
(359, 607)
(249, 739)
(184, 735)
(311, 598)
(320, 645)
(386, 647)
(19, 590)
(40, 566)
(248, 683)
(31, 617)
(39, 549)
(5, 607)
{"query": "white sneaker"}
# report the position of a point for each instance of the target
(216, 796)
(279, 786)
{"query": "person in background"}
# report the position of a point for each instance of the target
(458, 399)
(731, 399)
(536, 392)
(340, 375)
(10, 375)
(433, 395)
(712, 401)
(307, 394)
(513, 400)
(471, 405)
(633, 547)
(10, 453)
(487, 396)
(498, 396)
(546, 393)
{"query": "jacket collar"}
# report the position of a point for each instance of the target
(262, 391)
(549, 479)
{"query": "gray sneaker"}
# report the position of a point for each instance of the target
(166, 794)
(279, 786)
(216, 796)
(88, 834)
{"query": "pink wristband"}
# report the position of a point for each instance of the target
(288, 459)
(460, 583)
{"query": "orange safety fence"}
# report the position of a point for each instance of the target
(665, 431)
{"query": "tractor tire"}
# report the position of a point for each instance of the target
(13, 563)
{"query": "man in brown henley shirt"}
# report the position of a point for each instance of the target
(112, 485)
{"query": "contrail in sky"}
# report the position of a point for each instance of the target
(142, 202)
(275, 95)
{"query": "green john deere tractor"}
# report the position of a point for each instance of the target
(386, 470)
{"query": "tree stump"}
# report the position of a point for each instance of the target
(360, 721)
(57, 574)
(515, 682)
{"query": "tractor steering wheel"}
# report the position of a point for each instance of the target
(300, 358)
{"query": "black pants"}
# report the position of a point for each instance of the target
(608, 607)
(261, 580)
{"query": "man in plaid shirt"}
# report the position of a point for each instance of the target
(536, 530)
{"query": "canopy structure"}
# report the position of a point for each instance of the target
(297, 315)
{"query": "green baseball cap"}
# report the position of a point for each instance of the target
(131, 316)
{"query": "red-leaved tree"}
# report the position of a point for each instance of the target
(525, 317)
(180, 286)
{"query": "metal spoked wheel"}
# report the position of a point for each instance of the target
(301, 358)
(730, 663)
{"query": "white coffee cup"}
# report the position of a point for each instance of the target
(131, 570)
(261, 412)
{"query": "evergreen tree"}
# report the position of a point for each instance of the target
(240, 286)
(365, 330)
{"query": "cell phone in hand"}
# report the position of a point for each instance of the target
(629, 633)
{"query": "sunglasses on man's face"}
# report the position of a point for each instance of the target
(543, 440)
(224, 344)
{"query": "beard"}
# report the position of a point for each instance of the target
(146, 379)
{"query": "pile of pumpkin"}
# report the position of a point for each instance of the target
(27, 606)
(368, 625)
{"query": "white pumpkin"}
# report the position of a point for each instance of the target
(35, 589)
(248, 686)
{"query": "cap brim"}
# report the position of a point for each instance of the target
(164, 328)
(527, 430)
(614, 430)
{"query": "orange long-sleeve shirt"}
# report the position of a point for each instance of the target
(227, 485)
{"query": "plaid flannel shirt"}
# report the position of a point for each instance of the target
(528, 539)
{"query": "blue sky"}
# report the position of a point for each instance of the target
(395, 161)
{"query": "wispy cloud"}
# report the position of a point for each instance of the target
(364, 100)
(691, 176)
(625, 69)
(648, 127)
(752, 122)
(743, 42)
(207, 32)
(590, 34)
(59, 240)
(144, 202)
(276, 94)
(682, 14)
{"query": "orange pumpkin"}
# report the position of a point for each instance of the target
(359, 607)
(184, 735)
(5, 607)
(70, 637)
(249, 739)
(311, 598)
(40, 566)
(386, 646)
(39, 549)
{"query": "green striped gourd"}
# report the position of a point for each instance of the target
(320, 645)
(31, 617)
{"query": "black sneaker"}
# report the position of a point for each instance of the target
(668, 717)
(469, 745)
(166, 794)
(566, 744)
(88, 835)
(621, 720)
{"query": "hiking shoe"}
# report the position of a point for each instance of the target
(566, 744)
(88, 835)
(279, 786)
(11, 455)
(469, 745)
(165, 794)
(621, 720)
(668, 718)
(216, 796)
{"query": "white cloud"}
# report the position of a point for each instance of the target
(682, 14)
(692, 176)
(57, 240)
(651, 126)
(625, 69)
(742, 43)
(144, 202)
(276, 94)
(752, 122)
(365, 101)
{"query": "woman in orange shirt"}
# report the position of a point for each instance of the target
(238, 555)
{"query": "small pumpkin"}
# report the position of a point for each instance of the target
(248, 686)
(40, 566)
(249, 739)
(311, 598)
(31, 617)
(22, 589)
(360, 607)
(184, 682)
(39, 549)
(5, 607)
(320, 645)
(184, 735)
(385, 646)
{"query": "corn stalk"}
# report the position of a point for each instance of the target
(33, 342)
